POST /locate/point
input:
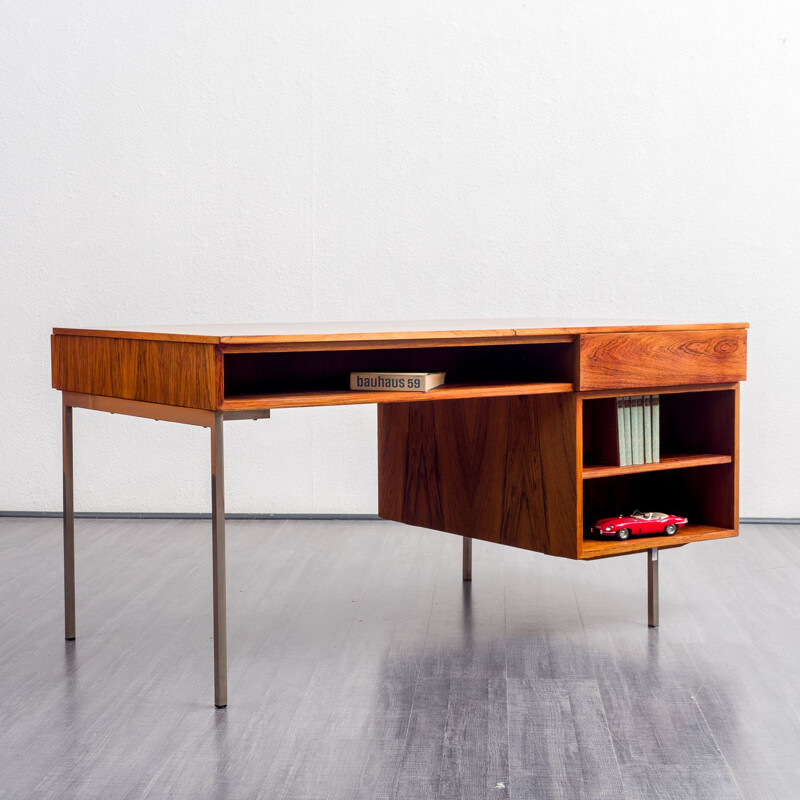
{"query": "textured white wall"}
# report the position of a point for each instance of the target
(329, 160)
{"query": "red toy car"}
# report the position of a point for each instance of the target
(638, 524)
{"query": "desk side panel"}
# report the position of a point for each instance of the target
(499, 469)
(172, 373)
(665, 358)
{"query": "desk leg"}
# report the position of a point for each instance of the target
(652, 587)
(218, 564)
(69, 523)
(466, 564)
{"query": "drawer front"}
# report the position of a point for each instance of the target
(170, 373)
(665, 358)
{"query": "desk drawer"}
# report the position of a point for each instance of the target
(665, 358)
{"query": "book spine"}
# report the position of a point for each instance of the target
(621, 448)
(656, 428)
(648, 429)
(637, 429)
(627, 430)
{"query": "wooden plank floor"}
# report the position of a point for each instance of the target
(362, 668)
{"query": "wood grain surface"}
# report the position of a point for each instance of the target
(688, 387)
(665, 358)
(172, 373)
(136, 408)
(498, 469)
(393, 344)
(668, 462)
(262, 333)
(348, 398)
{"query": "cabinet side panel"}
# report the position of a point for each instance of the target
(173, 373)
(408, 465)
(666, 358)
(499, 469)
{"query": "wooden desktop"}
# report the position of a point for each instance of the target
(510, 450)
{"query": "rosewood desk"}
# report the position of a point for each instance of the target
(513, 449)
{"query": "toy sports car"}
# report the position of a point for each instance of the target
(639, 523)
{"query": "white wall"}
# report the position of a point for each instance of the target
(172, 162)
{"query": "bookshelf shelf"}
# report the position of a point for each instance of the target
(667, 462)
(602, 548)
(348, 397)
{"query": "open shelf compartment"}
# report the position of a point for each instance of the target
(704, 495)
(322, 377)
(697, 429)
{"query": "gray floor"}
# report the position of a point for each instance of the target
(362, 667)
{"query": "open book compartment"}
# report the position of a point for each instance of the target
(692, 423)
(289, 372)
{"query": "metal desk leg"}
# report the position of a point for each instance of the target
(69, 523)
(466, 566)
(218, 564)
(652, 587)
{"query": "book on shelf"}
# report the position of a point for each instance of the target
(395, 381)
(656, 427)
(626, 406)
(637, 430)
(622, 448)
(648, 428)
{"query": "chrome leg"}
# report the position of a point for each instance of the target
(652, 587)
(466, 565)
(69, 523)
(218, 564)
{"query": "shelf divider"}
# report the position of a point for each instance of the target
(667, 462)
(327, 397)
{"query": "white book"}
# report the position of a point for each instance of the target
(626, 404)
(621, 446)
(395, 381)
(637, 429)
(656, 427)
(648, 429)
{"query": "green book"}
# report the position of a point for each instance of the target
(648, 429)
(637, 429)
(656, 428)
(626, 407)
(621, 446)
